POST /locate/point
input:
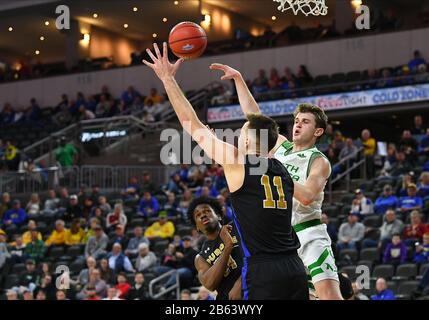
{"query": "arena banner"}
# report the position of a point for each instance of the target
(338, 101)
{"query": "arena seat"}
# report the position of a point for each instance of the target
(136, 222)
(393, 285)
(56, 252)
(331, 210)
(74, 251)
(351, 253)
(353, 76)
(373, 221)
(160, 246)
(12, 280)
(405, 289)
(18, 268)
(367, 263)
(385, 271)
(350, 271)
(76, 266)
(405, 271)
(347, 198)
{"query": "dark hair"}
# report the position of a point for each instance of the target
(260, 122)
(319, 114)
(213, 203)
(185, 291)
(396, 234)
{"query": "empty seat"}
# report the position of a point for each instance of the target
(346, 210)
(136, 222)
(184, 231)
(331, 211)
(77, 266)
(338, 77)
(56, 252)
(423, 268)
(406, 288)
(368, 263)
(385, 271)
(372, 221)
(18, 268)
(347, 199)
(159, 247)
(12, 280)
(354, 76)
(405, 271)
(370, 254)
(74, 251)
(393, 285)
(347, 254)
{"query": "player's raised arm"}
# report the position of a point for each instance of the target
(247, 102)
(319, 174)
(221, 152)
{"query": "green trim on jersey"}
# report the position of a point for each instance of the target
(316, 154)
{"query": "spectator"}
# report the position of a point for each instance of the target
(33, 206)
(119, 237)
(209, 184)
(416, 61)
(350, 233)
(134, 243)
(136, 106)
(90, 230)
(119, 262)
(11, 295)
(185, 295)
(103, 107)
(85, 114)
(106, 273)
(15, 216)
(391, 226)
(148, 206)
(382, 293)
(30, 277)
(36, 248)
(95, 193)
(41, 295)
(410, 202)
(385, 201)
(327, 138)
(58, 236)
(423, 185)
(418, 128)
(401, 166)
(303, 75)
(104, 205)
(331, 228)
(197, 239)
(171, 205)
(414, 232)
(73, 210)
(116, 217)
(66, 153)
(348, 150)
(226, 209)
(421, 254)
(75, 235)
(139, 290)
(5, 205)
(98, 215)
(5, 255)
(357, 294)
(424, 144)
(64, 198)
(97, 244)
(184, 203)
(87, 208)
(185, 265)
(146, 259)
(129, 95)
(204, 294)
(7, 114)
(260, 84)
(409, 145)
(112, 294)
(17, 251)
(50, 207)
(132, 190)
(396, 251)
(153, 96)
(147, 184)
(361, 204)
(161, 229)
(176, 185)
(369, 144)
(61, 295)
(122, 285)
(47, 286)
(274, 81)
(95, 288)
(83, 277)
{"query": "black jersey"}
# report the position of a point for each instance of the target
(211, 250)
(263, 209)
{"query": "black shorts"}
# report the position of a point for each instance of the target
(275, 278)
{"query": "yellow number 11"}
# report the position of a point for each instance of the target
(269, 201)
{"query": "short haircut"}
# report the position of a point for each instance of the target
(260, 122)
(213, 203)
(319, 114)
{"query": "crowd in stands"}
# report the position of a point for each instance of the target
(113, 244)
(287, 84)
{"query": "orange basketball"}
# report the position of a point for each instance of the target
(187, 40)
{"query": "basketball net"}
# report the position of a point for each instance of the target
(307, 7)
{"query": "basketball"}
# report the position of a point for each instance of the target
(187, 40)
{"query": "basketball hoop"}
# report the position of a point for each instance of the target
(307, 7)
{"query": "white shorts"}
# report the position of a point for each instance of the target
(316, 253)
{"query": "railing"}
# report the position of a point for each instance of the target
(360, 162)
(39, 180)
(107, 177)
(173, 287)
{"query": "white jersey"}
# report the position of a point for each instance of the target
(298, 164)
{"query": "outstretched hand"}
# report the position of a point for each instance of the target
(230, 73)
(162, 67)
